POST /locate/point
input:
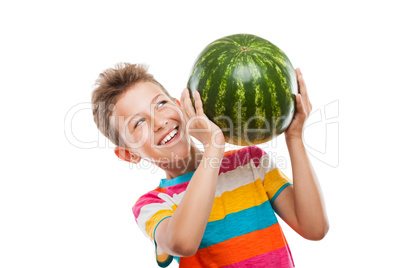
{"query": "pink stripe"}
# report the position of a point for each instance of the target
(148, 198)
(152, 197)
(176, 189)
(230, 162)
(280, 258)
(241, 158)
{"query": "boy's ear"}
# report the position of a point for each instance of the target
(125, 155)
(178, 102)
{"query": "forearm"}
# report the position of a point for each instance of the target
(186, 227)
(309, 202)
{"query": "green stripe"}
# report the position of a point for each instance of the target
(273, 85)
(219, 106)
(258, 99)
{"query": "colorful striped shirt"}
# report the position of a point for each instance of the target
(242, 230)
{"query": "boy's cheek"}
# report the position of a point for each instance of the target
(174, 112)
(139, 139)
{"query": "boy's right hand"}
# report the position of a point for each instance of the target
(198, 124)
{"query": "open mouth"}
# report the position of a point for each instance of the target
(170, 137)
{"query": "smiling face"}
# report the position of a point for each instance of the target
(151, 124)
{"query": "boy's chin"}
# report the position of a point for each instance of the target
(180, 154)
(175, 154)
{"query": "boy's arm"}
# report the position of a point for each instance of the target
(181, 234)
(302, 206)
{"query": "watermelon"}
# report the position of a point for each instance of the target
(247, 86)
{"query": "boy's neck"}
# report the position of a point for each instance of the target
(186, 165)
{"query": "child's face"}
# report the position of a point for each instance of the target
(144, 117)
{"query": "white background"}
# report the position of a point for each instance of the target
(65, 199)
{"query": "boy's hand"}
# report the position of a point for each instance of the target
(197, 123)
(303, 109)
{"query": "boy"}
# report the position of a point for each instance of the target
(214, 208)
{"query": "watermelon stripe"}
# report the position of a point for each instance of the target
(220, 105)
(271, 81)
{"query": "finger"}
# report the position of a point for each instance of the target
(303, 89)
(300, 105)
(298, 72)
(301, 83)
(189, 106)
(198, 103)
(183, 105)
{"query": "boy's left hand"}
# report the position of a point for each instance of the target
(303, 109)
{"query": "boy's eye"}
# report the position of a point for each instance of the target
(161, 103)
(158, 106)
(138, 122)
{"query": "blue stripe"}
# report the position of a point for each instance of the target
(279, 191)
(239, 223)
(177, 180)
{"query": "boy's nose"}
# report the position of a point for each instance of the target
(160, 123)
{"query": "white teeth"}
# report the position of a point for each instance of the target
(169, 136)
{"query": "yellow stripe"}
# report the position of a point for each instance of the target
(162, 257)
(241, 198)
(153, 221)
(273, 181)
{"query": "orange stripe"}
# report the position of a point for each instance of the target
(231, 152)
(159, 189)
(237, 249)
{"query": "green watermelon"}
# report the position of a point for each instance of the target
(248, 88)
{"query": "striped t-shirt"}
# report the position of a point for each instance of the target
(242, 230)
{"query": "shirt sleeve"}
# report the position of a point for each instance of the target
(149, 211)
(273, 179)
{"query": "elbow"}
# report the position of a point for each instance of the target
(314, 232)
(316, 236)
(318, 233)
(185, 249)
(181, 245)
(176, 243)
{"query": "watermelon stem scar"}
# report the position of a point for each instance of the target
(244, 48)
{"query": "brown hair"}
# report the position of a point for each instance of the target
(110, 85)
